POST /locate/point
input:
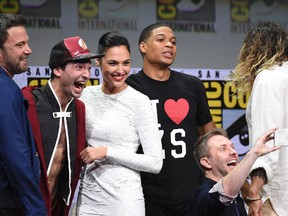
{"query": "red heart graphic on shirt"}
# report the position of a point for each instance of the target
(176, 110)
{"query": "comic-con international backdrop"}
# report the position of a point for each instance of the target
(228, 110)
(209, 35)
(209, 32)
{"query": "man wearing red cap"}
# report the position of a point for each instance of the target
(58, 122)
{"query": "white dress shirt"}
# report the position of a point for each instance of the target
(268, 108)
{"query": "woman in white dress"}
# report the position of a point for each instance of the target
(118, 120)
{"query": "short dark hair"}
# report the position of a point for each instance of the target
(7, 21)
(146, 33)
(112, 39)
(201, 148)
(52, 75)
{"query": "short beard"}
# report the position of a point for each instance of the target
(12, 66)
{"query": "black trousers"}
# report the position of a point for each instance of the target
(8, 212)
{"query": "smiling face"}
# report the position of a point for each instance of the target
(15, 51)
(160, 48)
(222, 157)
(115, 68)
(71, 80)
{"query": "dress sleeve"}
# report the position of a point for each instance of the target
(146, 126)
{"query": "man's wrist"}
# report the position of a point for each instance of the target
(251, 199)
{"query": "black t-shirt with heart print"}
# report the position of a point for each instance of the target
(181, 105)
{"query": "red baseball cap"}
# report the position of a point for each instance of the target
(70, 49)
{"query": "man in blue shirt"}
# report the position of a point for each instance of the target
(19, 162)
(219, 193)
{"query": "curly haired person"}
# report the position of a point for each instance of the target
(263, 70)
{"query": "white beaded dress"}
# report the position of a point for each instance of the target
(121, 122)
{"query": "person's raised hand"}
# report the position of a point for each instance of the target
(260, 147)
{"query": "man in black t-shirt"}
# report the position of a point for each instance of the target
(181, 107)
